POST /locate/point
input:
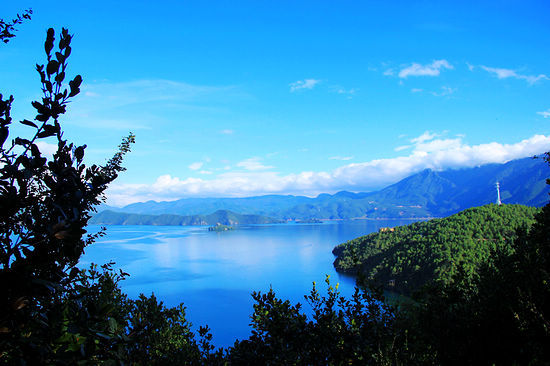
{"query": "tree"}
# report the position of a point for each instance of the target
(502, 314)
(362, 330)
(45, 205)
(7, 28)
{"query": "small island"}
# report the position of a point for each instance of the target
(219, 227)
(309, 221)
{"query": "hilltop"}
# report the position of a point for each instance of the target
(407, 257)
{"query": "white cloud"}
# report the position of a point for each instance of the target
(227, 132)
(403, 147)
(445, 90)
(46, 148)
(304, 84)
(253, 164)
(389, 72)
(509, 73)
(426, 136)
(470, 66)
(438, 145)
(416, 90)
(196, 166)
(351, 91)
(344, 158)
(545, 114)
(433, 69)
(427, 152)
(206, 172)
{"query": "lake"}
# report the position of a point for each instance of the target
(214, 273)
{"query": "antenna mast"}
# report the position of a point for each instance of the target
(498, 194)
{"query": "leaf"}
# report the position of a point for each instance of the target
(60, 57)
(50, 128)
(26, 122)
(52, 67)
(79, 153)
(59, 78)
(45, 133)
(74, 85)
(48, 45)
(20, 141)
(77, 80)
(35, 151)
(42, 117)
(4, 132)
(39, 107)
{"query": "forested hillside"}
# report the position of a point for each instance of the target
(407, 257)
(219, 217)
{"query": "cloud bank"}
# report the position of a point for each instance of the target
(509, 73)
(426, 151)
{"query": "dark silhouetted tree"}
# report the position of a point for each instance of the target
(45, 205)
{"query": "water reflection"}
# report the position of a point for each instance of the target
(214, 273)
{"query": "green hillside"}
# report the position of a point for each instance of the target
(406, 257)
(222, 217)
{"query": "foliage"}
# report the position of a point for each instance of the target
(45, 205)
(411, 256)
(219, 228)
(362, 330)
(7, 29)
(502, 315)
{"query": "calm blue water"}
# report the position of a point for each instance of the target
(213, 274)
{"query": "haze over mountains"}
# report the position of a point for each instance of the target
(425, 194)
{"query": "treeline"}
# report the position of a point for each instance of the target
(221, 216)
(499, 316)
(405, 258)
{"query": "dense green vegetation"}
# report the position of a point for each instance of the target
(491, 306)
(309, 221)
(407, 257)
(223, 217)
(218, 227)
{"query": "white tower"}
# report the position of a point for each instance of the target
(498, 194)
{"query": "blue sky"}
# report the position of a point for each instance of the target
(292, 97)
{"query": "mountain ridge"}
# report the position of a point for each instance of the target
(428, 193)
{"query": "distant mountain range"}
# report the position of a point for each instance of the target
(425, 194)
